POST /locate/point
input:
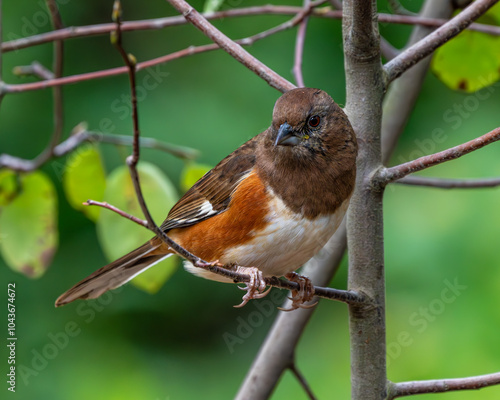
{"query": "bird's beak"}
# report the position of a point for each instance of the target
(286, 136)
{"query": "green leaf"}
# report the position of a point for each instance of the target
(28, 226)
(84, 178)
(469, 62)
(8, 186)
(212, 5)
(191, 173)
(118, 235)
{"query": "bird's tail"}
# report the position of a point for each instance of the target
(114, 274)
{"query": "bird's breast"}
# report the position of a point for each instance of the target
(287, 240)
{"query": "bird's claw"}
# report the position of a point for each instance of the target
(255, 288)
(301, 296)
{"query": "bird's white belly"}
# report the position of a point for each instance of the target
(288, 241)
(285, 244)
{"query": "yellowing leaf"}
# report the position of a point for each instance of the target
(469, 62)
(118, 235)
(191, 173)
(84, 178)
(28, 226)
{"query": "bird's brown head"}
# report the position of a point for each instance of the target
(307, 124)
(310, 148)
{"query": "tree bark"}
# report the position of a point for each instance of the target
(365, 89)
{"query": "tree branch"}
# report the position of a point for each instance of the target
(302, 380)
(443, 183)
(426, 46)
(84, 136)
(403, 93)
(35, 69)
(365, 90)
(443, 385)
(161, 23)
(2, 83)
(233, 49)
(122, 213)
(156, 61)
(387, 175)
(344, 296)
(299, 48)
(57, 67)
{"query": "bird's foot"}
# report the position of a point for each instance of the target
(255, 288)
(301, 296)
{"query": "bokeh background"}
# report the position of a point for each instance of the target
(174, 345)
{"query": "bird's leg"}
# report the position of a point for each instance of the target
(255, 288)
(301, 296)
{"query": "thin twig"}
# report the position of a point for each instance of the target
(161, 23)
(299, 48)
(387, 175)
(155, 61)
(57, 96)
(57, 66)
(84, 136)
(232, 48)
(186, 52)
(2, 92)
(302, 380)
(426, 46)
(443, 183)
(402, 94)
(108, 206)
(35, 69)
(132, 160)
(442, 385)
(344, 296)
(155, 24)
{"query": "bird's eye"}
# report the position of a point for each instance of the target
(314, 121)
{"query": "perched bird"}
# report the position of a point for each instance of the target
(267, 208)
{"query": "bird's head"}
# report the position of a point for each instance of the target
(308, 123)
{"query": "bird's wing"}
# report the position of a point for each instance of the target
(212, 194)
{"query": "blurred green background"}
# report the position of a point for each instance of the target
(173, 345)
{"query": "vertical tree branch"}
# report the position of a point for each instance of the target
(403, 92)
(278, 348)
(2, 93)
(299, 48)
(365, 88)
(57, 67)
